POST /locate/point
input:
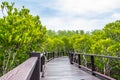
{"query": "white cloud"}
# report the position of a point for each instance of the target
(116, 16)
(61, 23)
(81, 7)
(86, 6)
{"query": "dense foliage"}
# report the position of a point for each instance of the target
(22, 33)
(96, 42)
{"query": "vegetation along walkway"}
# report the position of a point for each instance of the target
(61, 69)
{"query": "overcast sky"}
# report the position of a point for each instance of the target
(72, 14)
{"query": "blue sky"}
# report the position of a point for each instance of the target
(72, 14)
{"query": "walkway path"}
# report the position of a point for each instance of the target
(61, 69)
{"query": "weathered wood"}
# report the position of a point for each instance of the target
(71, 57)
(22, 72)
(36, 73)
(60, 69)
(43, 60)
(103, 76)
(92, 70)
(53, 55)
(79, 60)
(92, 64)
(50, 56)
(103, 56)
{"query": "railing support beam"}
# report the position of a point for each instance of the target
(36, 72)
(79, 60)
(71, 57)
(92, 64)
(53, 55)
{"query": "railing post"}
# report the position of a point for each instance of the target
(36, 72)
(63, 53)
(71, 57)
(79, 60)
(58, 54)
(48, 56)
(92, 64)
(53, 55)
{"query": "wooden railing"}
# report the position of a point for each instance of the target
(76, 58)
(28, 70)
(31, 69)
(52, 55)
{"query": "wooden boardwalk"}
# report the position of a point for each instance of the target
(61, 69)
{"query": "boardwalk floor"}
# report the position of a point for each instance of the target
(60, 69)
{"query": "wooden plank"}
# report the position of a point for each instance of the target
(22, 72)
(61, 69)
(96, 55)
(36, 73)
(103, 76)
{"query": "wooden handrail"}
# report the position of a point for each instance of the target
(50, 56)
(26, 71)
(29, 69)
(92, 70)
(96, 55)
(22, 72)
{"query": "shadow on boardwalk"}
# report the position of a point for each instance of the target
(61, 69)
